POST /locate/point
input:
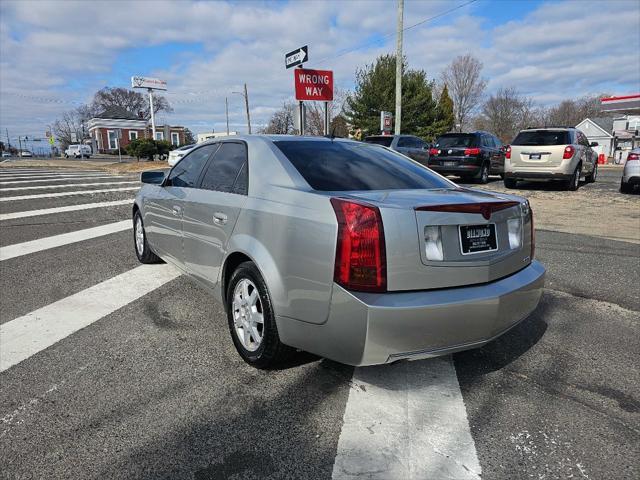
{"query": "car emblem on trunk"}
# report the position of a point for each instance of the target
(450, 152)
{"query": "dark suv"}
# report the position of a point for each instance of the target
(409, 145)
(468, 155)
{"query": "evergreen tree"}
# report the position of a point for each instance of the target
(445, 118)
(375, 92)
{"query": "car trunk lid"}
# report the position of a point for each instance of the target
(473, 232)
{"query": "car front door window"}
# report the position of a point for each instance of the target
(186, 172)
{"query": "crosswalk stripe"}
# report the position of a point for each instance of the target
(33, 246)
(67, 208)
(52, 176)
(63, 179)
(40, 172)
(67, 185)
(66, 194)
(27, 335)
(408, 421)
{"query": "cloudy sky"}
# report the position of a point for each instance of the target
(55, 54)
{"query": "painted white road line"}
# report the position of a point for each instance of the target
(27, 335)
(4, 172)
(65, 179)
(52, 176)
(406, 420)
(67, 208)
(67, 194)
(33, 246)
(67, 185)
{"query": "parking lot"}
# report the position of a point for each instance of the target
(110, 369)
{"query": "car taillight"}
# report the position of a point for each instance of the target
(472, 151)
(633, 156)
(533, 231)
(433, 151)
(507, 153)
(568, 152)
(361, 262)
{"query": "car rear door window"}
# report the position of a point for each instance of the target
(227, 171)
(406, 142)
(344, 166)
(187, 171)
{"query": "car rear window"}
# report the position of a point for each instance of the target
(542, 137)
(384, 141)
(457, 140)
(344, 166)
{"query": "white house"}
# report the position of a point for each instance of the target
(599, 130)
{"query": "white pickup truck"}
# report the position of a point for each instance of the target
(78, 151)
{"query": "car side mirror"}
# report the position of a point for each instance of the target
(593, 144)
(155, 177)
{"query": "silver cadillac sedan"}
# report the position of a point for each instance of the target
(344, 249)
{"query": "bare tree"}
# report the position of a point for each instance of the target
(465, 85)
(132, 101)
(571, 112)
(68, 127)
(282, 121)
(505, 113)
(315, 113)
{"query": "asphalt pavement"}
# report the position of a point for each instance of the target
(153, 387)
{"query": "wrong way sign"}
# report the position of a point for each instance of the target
(315, 85)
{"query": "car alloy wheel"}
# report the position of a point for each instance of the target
(576, 178)
(248, 319)
(139, 236)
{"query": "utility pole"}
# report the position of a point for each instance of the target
(399, 67)
(153, 117)
(226, 111)
(8, 141)
(245, 94)
(246, 102)
(20, 143)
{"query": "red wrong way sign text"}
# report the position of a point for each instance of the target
(313, 84)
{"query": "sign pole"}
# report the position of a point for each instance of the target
(226, 111)
(153, 117)
(301, 112)
(326, 118)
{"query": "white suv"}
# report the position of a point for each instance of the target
(551, 153)
(78, 151)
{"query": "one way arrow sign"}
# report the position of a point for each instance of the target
(297, 57)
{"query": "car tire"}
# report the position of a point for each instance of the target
(510, 183)
(574, 182)
(625, 187)
(483, 175)
(250, 315)
(140, 244)
(591, 178)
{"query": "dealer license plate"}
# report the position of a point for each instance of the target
(535, 156)
(450, 164)
(478, 238)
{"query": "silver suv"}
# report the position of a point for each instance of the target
(551, 153)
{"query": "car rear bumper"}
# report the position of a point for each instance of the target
(369, 328)
(528, 175)
(461, 169)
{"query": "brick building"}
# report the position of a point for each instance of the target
(104, 130)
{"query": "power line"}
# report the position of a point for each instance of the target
(378, 40)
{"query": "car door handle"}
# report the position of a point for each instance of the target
(176, 210)
(219, 218)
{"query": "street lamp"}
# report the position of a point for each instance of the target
(245, 94)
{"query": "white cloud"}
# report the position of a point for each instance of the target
(560, 50)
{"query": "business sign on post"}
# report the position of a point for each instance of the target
(386, 121)
(314, 85)
(297, 57)
(148, 82)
